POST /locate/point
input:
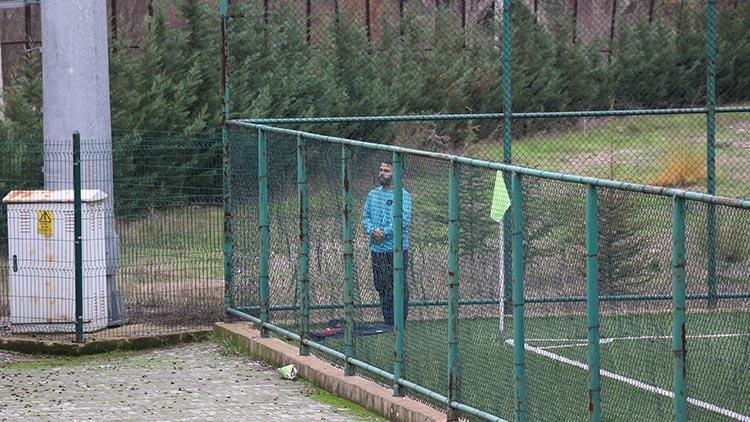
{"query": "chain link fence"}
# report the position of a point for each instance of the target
(635, 279)
(373, 57)
(656, 147)
(643, 64)
(165, 273)
(399, 60)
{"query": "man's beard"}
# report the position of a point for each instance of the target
(384, 181)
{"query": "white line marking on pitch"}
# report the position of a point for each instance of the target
(605, 340)
(563, 346)
(634, 383)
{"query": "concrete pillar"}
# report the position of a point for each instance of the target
(75, 80)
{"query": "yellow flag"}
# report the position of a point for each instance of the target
(500, 198)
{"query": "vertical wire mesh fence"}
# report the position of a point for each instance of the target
(170, 229)
(164, 274)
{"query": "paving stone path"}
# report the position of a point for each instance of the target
(195, 382)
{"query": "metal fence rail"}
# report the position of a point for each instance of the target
(593, 277)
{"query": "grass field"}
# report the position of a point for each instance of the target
(636, 363)
(638, 149)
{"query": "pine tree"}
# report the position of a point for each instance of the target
(733, 47)
(164, 95)
(479, 234)
(621, 270)
(23, 101)
(21, 135)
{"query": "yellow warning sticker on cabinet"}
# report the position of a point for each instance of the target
(45, 220)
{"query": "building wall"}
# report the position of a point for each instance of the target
(20, 28)
(14, 25)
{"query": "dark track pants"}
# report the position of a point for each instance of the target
(382, 270)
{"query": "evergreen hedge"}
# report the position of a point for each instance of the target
(172, 82)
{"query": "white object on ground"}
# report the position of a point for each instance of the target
(288, 372)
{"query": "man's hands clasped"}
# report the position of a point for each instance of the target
(377, 235)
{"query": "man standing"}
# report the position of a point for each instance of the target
(378, 221)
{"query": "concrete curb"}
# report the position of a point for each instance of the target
(363, 392)
(68, 348)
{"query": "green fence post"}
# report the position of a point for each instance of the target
(592, 300)
(78, 238)
(346, 177)
(303, 261)
(454, 377)
(398, 273)
(264, 229)
(507, 142)
(228, 235)
(226, 164)
(224, 16)
(678, 309)
(519, 371)
(507, 92)
(710, 147)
